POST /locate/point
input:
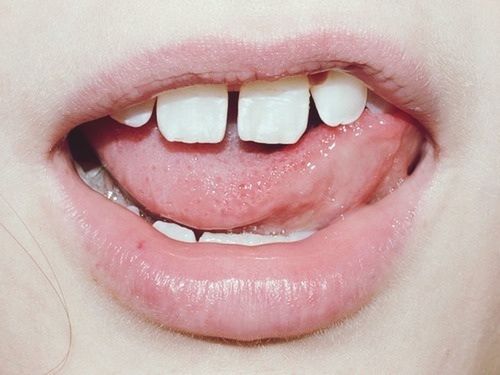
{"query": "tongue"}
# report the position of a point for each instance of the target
(237, 184)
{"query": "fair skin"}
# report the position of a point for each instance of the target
(440, 312)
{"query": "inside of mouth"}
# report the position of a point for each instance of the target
(244, 192)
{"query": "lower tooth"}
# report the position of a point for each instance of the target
(175, 231)
(96, 179)
(251, 239)
(100, 181)
(134, 209)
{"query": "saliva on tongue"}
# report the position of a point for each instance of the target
(238, 186)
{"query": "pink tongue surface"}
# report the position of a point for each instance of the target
(236, 184)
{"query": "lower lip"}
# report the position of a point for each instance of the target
(237, 292)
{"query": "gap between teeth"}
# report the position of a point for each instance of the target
(100, 181)
(268, 112)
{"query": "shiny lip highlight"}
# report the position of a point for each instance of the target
(232, 291)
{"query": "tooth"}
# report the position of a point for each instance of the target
(135, 116)
(378, 105)
(95, 172)
(95, 178)
(79, 169)
(340, 99)
(134, 209)
(194, 114)
(274, 112)
(251, 239)
(175, 231)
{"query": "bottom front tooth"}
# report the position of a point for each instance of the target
(136, 115)
(134, 209)
(175, 231)
(251, 239)
(193, 114)
(340, 99)
(274, 112)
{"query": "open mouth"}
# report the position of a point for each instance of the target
(265, 205)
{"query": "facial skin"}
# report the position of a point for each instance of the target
(440, 312)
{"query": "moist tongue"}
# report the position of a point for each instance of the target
(238, 184)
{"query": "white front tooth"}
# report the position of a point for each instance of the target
(137, 115)
(175, 231)
(274, 112)
(251, 239)
(340, 99)
(378, 105)
(193, 114)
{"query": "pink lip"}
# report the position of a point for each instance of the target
(237, 292)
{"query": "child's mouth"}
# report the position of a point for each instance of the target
(261, 213)
(284, 184)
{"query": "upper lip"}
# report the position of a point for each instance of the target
(389, 71)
